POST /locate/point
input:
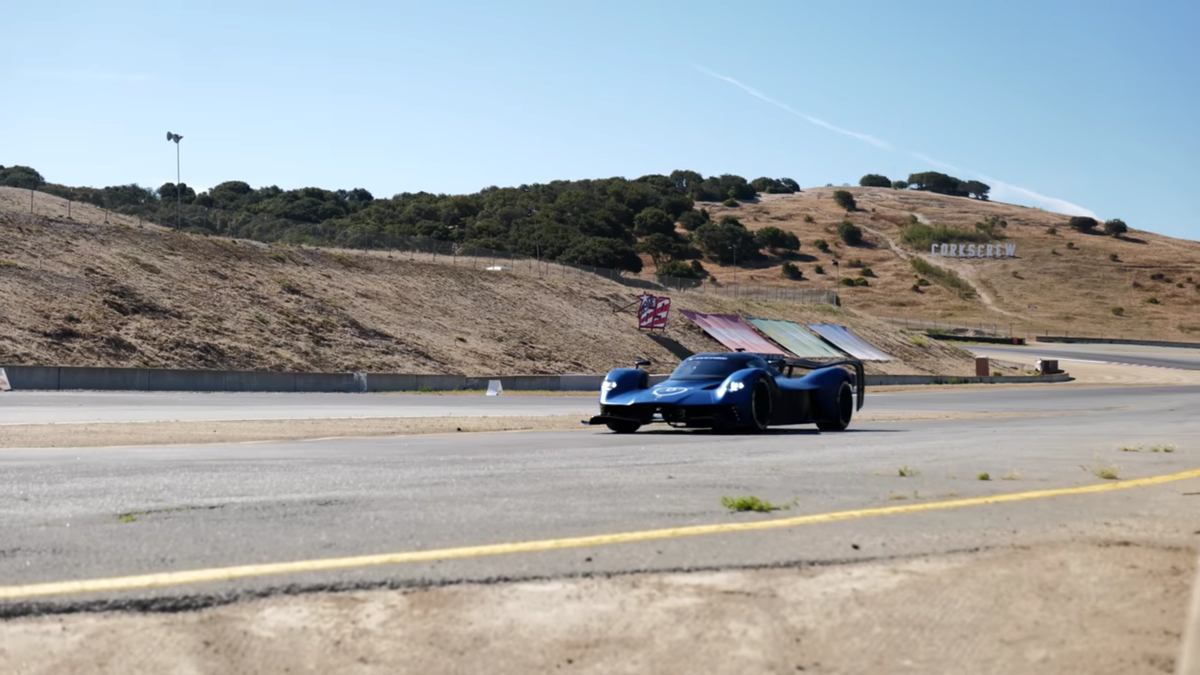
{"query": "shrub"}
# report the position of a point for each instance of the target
(1118, 311)
(792, 272)
(1153, 301)
(1114, 257)
(1082, 223)
(856, 263)
(1115, 227)
(731, 203)
(676, 268)
(943, 277)
(847, 281)
(776, 239)
(867, 272)
(809, 219)
(690, 220)
(861, 282)
(922, 281)
(874, 180)
(850, 233)
(1157, 276)
(818, 270)
(923, 236)
(822, 245)
(900, 184)
(916, 288)
(1051, 230)
(845, 200)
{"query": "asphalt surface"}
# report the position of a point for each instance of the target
(84, 514)
(1134, 355)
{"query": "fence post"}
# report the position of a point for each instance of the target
(30, 200)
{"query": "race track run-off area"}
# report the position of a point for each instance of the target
(1023, 529)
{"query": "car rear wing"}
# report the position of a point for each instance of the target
(781, 363)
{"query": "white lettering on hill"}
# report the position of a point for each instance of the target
(974, 250)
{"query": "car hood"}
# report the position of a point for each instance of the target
(673, 392)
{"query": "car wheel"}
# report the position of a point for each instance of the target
(845, 410)
(760, 405)
(622, 426)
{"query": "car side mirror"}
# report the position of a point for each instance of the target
(640, 363)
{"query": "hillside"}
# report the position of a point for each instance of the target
(1062, 282)
(86, 293)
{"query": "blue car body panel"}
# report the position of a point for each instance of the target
(716, 390)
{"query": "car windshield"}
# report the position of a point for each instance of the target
(714, 367)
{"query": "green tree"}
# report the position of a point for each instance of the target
(975, 189)
(1115, 227)
(653, 221)
(900, 184)
(845, 200)
(875, 180)
(693, 219)
(790, 271)
(1083, 223)
(21, 177)
(727, 241)
(603, 252)
(680, 270)
(850, 233)
(659, 247)
(773, 238)
(676, 205)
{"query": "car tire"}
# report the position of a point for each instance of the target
(845, 410)
(622, 426)
(761, 404)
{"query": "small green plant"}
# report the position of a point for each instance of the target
(1130, 448)
(818, 269)
(1157, 276)
(1162, 448)
(127, 517)
(847, 281)
(867, 272)
(984, 476)
(1118, 311)
(957, 380)
(895, 497)
(922, 281)
(917, 341)
(277, 257)
(1114, 257)
(1105, 471)
(861, 282)
(997, 373)
(905, 472)
(753, 503)
(856, 263)
(261, 319)
(822, 245)
(809, 219)
(1153, 301)
(1011, 475)
(791, 271)
(425, 389)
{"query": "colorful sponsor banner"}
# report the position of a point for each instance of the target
(846, 340)
(796, 339)
(653, 311)
(732, 332)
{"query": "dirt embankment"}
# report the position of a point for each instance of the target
(75, 293)
(1069, 608)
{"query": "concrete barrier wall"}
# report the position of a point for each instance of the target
(1114, 341)
(54, 378)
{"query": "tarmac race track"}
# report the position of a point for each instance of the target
(105, 515)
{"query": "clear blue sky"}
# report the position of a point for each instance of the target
(1091, 104)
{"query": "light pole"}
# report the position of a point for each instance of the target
(178, 193)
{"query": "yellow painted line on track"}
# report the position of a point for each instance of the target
(216, 574)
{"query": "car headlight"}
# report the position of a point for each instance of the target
(608, 385)
(737, 386)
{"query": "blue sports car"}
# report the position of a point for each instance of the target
(738, 390)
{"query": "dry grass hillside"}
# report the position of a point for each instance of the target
(1065, 282)
(88, 293)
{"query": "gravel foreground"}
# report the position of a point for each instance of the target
(1082, 607)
